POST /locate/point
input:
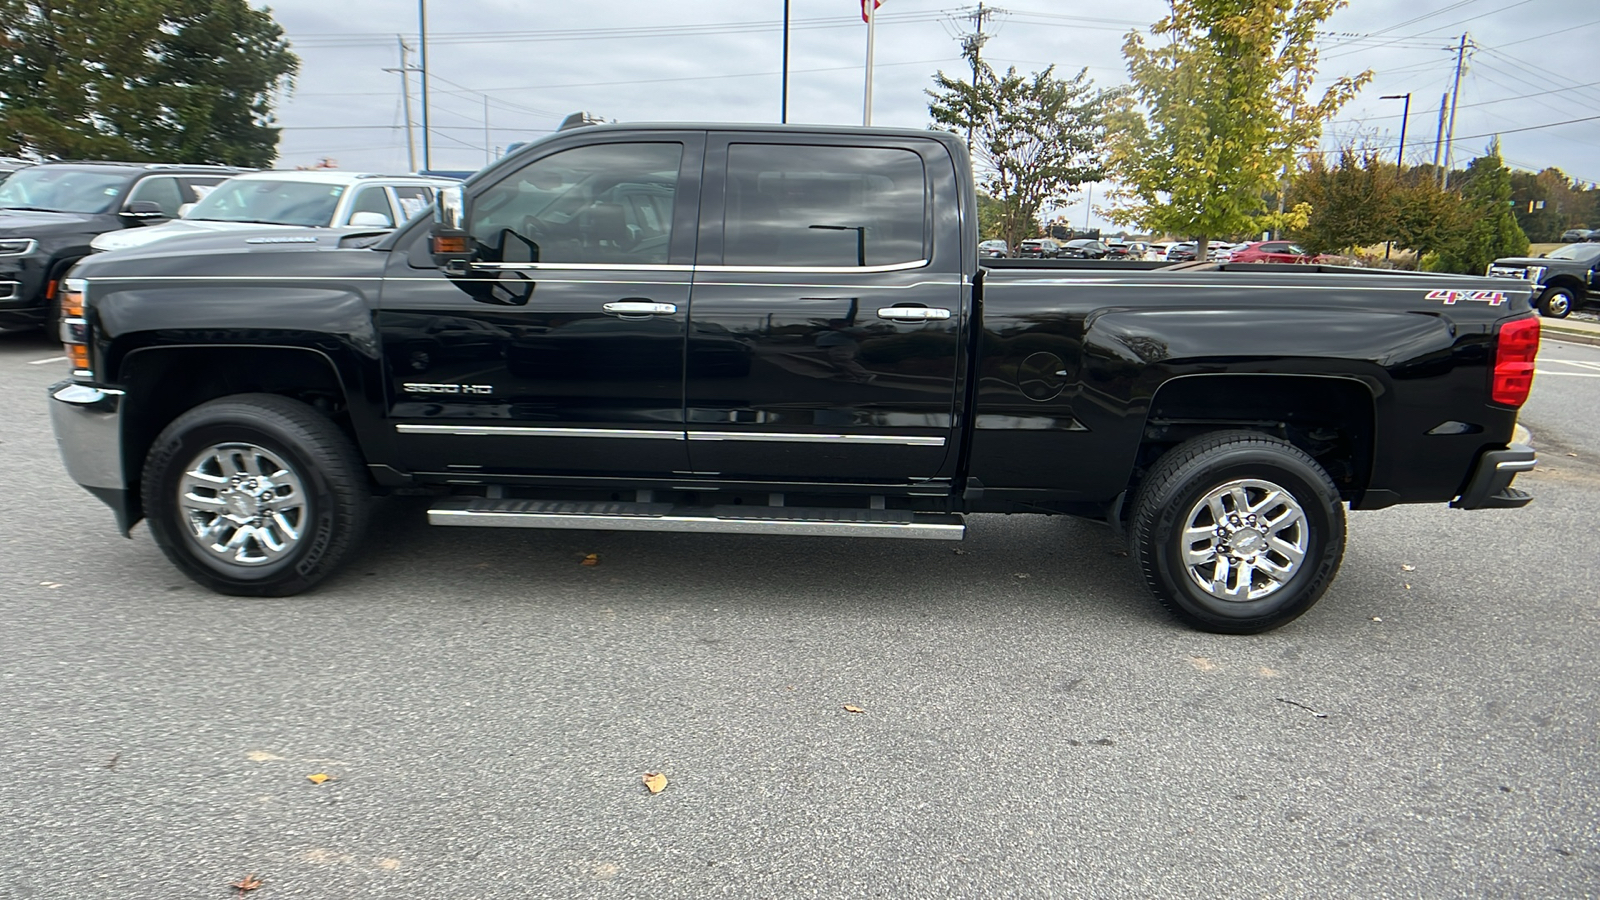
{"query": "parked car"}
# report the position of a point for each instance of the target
(1219, 251)
(1576, 235)
(9, 164)
(1183, 252)
(995, 249)
(1116, 249)
(1157, 250)
(1038, 248)
(1565, 279)
(1084, 248)
(50, 212)
(1275, 252)
(318, 199)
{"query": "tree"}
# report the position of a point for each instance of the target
(171, 80)
(1218, 114)
(1035, 138)
(1491, 229)
(1351, 204)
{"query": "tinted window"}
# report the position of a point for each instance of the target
(605, 203)
(162, 191)
(823, 206)
(196, 189)
(63, 190)
(413, 199)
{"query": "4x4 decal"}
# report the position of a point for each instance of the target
(1450, 298)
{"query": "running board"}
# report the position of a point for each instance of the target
(482, 512)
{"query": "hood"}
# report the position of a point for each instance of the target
(29, 223)
(231, 242)
(138, 237)
(1543, 261)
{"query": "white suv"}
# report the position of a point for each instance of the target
(299, 199)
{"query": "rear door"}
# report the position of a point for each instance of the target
(824, 331)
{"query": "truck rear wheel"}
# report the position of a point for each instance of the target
(1237, 532)
(255, 495)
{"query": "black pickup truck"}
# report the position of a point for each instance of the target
(1565, 279)
(774, 331)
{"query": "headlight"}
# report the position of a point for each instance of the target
(17, 246)
(1536, 274)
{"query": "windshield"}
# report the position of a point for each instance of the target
(63, 190)
(269, 202)
(1579, 252)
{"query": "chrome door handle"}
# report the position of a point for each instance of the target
(639, 308)
(910, 313)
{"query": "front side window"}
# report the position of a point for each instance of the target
(270, 202)
(59, 189)
(372, 199)
(412, 199)
(162, 191)
(604, 203)
(794, 205)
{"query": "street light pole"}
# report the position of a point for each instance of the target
(422, 27)
(1400, 158)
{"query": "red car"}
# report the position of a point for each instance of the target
(1275, 252)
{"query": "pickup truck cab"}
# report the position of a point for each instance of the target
(775, 330)
(1565, 279)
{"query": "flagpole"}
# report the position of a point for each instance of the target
(872, 21)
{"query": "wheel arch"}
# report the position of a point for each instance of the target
(1333, 418)
(162, 382)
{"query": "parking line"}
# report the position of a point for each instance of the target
(40, 362)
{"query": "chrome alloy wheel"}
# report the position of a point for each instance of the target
(1244, 540)
(243, 505)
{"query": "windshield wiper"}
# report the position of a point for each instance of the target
(30, 209)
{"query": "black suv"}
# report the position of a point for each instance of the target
(50, 212)
(1563, 280)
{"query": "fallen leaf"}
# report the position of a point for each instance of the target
(247, 884)
(1405, 568)
(318, 778)
(113, 763)
(1377, 618)
(1573, 455)
(262, 756)
(390, 863)
(593, 559)
(1022, 575)
(853, 709)
(1408, 587)
(1202, 663)
(1266, 672)
(655, 781)
(958, 551)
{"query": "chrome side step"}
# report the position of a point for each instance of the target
(482, 512)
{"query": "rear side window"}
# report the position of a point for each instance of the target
(791, 205)
(372, 199)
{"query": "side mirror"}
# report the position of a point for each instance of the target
(370, 220)
(448, 240)
(143, 210)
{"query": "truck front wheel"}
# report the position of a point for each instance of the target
(1555, 302)
(1237, 532)
(255, 495)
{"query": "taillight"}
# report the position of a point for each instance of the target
(1516, 345)
(74, 327)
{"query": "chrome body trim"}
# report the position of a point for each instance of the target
(640, 308)
(87, 422)
(538, 431)
(904, 440)
(19, 246)
(485, 513)
(909, 313)
(9, 289)
(827, 270)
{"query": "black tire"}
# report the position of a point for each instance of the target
(1556, 302)
(321, 495)
(1239, 463)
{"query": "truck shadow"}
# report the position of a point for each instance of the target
(1061, 564)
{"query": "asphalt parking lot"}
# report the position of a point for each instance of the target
(1031, 723)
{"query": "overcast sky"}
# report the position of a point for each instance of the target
(526, 65)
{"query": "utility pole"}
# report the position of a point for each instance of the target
(1400, 158)
(486, 159)
(422, 28)
(405, 71)
(1455, 98)
(869, 9)
(972, 47)
(783, 108)
(1438, 141)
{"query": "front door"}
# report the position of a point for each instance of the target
(824, 335)
(558, 353)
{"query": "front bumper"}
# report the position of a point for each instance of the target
(1490, 484)
(88, 425)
